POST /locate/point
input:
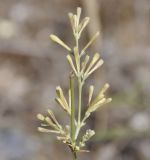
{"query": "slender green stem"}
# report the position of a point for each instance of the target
(80, 84)
(72, 108)
(79, 87)
(74, 154)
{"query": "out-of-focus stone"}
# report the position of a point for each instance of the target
(140, 122)
(7, 28)
(108, 152)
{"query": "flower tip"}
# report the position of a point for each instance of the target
(109, 100)
(40, 129)
(44, 130)
(102, 61)
(58, 88)
(40, 117)
(107, 85)
(87, 18)
(59, 41)
(97, 34)
(49, 111)
(70, 14)
(52, 36)
(79, 9)
(91, 132)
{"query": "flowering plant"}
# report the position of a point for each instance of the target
(82, 68)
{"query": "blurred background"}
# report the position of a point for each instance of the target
(31, 66)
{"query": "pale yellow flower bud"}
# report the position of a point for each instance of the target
(40, 117)
(89, 43)
(60, 42)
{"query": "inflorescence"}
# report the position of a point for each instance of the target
(82, 67)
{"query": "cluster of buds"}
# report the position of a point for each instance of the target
(98, 101)
(49, 124)
(89, 133)
(61, 100)
(82, 67)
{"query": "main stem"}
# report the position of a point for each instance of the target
(80, 85)
(74, 154)
(79, 90)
